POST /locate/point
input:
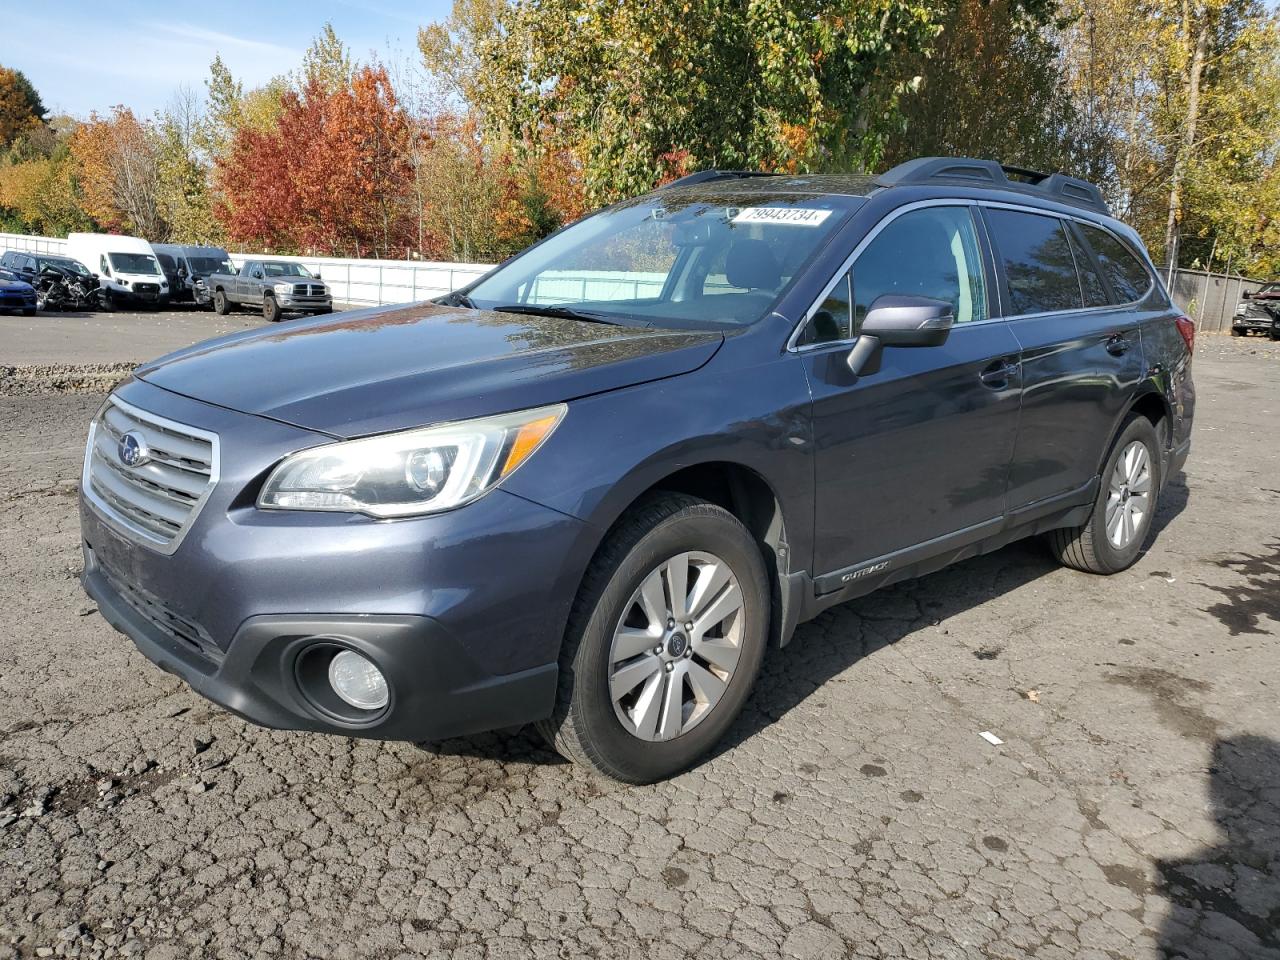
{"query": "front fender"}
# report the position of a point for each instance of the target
(613, 447)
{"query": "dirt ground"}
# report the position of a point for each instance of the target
(1132, 811)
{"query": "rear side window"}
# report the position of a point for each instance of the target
(1038, 263)
(1091, 287)
(1129, 278)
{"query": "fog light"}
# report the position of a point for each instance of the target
(357, 681)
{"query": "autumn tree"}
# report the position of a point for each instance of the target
(330, 176)
(20, 106)
(118, 169)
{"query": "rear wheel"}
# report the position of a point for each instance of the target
(270, 309)
(664, 643)
(220, 304)
(1112, 538)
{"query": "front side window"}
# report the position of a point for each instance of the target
(932, 252)
(1038, 264)
(688, 258)
(1129, 278)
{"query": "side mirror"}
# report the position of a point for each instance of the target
(1246, 295)
(895, 320)
(317, 276)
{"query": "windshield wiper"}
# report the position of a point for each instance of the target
(568, 313)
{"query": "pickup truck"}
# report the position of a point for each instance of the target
(276, 287)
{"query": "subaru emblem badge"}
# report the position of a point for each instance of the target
(133, 450)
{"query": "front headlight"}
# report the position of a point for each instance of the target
(283, 287)
(1241, 307)
(410, 473)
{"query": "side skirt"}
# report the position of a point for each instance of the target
(1070, 509)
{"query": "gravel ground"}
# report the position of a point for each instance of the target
(1132, 811)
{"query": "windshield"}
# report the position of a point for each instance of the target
(274, 269)
(6, 275)
(134, 263)
(203, 266)
(1270, 289)
(71, 266)
(685, 257)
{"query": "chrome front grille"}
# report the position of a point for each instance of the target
(155, 499)
(308, 290)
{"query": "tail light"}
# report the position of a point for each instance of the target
(1187, 328)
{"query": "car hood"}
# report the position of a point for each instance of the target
(372, 371)
(19, 285)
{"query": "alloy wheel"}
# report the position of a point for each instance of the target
(676, 646)
(1129, 496)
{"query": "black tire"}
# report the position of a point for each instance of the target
(1274, 332)
(584, 727)
(221, 306)
(1087, 548)
(1237, 332)
(28, 311)
(271, 311)
(107, 304)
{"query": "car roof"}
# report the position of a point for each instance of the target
(954, 176)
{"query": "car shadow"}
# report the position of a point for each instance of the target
(842, 636)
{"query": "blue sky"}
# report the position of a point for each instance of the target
(84, 56)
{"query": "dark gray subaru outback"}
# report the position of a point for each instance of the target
(588, 490)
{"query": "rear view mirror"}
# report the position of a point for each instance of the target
(901, 321)
(695, 233)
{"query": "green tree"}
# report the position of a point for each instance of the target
(985, 46)
(183, 188)
(631, 89)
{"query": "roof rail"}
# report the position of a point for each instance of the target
(706, 176)
(989, 173)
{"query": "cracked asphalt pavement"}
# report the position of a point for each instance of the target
(1132, 811)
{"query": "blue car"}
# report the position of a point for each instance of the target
(588, 490)
(16, 294)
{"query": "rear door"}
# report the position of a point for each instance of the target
(916, 449)
(1081, 356)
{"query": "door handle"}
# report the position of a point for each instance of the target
(1118, 345)
(999, 373)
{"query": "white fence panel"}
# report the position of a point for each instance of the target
(378, 282)
(30, 244)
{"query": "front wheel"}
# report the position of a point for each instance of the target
(28, 311)
(664, 642)
(1112, 538)
(1237, 332)
(220, 305)
(271, 310)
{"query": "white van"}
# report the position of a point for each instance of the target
(128, 271)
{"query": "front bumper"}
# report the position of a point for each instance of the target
(1245, 322)
(464, 612)
(304, 304)
(437, 689)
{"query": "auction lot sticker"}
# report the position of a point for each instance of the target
(788, 216)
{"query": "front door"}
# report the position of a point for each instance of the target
(917, 448)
